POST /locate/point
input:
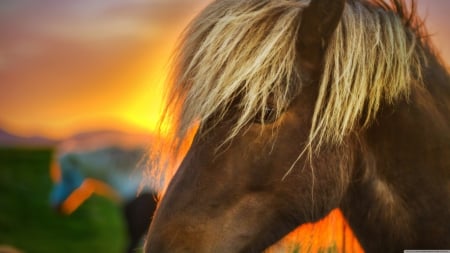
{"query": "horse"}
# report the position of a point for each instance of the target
(301, 107)
(108, 172)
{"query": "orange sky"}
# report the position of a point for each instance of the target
(68, 66)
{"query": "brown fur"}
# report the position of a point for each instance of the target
(353, 84)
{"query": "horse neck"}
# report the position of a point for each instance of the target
(400, 194)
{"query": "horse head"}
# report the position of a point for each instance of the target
(298, 102)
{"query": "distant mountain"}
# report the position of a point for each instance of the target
(82, 140)
(106, 132)
(11, 140)
(104, 138)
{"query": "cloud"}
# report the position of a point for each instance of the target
(37, 30)
(64, 59)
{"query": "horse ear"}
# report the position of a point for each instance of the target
(319, 20)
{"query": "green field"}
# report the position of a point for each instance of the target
(29, 224)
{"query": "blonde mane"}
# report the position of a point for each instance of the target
(241, 56)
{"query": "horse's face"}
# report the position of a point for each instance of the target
(238, 198)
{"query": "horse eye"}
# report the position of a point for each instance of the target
(268, 115)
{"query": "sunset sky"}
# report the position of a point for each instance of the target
(69, 66)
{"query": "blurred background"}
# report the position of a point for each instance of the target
(83, 76)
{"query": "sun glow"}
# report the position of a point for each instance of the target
(332, 232)
(119, 86)
(146, 111)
